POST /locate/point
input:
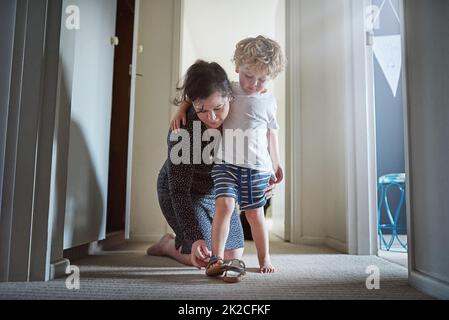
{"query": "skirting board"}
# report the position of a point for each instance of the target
(429, 285)
(325, 241)
(150, 238)
(112, 240)
(58, 269)
(315, 241)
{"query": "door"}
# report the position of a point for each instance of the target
(7, 19)
(87, 64)
(118, 152)
(389, 114)
(427, 47)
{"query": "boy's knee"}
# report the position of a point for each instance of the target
(254, 215)
(225, 204)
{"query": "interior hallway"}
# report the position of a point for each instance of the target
(304, 272)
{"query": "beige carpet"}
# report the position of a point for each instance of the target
(304, 272)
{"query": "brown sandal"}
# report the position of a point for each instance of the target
(235, 271)
(216, 267)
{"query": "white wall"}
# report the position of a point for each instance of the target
(89, 71)
(211, 30)
(152, 115)
(279, 201)
(322, 212)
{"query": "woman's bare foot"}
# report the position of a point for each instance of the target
(266, 266)
(161, 248)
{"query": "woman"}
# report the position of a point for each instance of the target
(186, 190)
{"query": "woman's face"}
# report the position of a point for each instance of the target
(213, 110)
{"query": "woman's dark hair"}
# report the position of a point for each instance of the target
(202, 80)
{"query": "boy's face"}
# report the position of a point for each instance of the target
(252, 80)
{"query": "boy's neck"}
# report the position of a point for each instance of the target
(262, 92)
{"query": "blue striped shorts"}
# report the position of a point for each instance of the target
(246, 186)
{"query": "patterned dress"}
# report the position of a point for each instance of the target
(187, 197)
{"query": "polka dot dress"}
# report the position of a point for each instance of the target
(187, 198)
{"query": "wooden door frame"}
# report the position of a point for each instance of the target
(293, 212)
(361, 152)
(120, 233)
(132, 109)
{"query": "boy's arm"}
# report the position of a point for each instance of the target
(273, 149)
(180, 116)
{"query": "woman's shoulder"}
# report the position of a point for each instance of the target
(191, 120)
(191, 114)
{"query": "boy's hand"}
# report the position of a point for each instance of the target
(279, 175)
(180, 116)
(175, 124)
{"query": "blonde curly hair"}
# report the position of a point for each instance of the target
(262, 53)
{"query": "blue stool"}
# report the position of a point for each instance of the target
(385, 184)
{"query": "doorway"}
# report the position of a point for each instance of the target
(268, 18)
(388, 83)
(121, 96)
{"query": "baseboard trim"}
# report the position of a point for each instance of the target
(95, 247)
(58, 269)
(429, 285)
(77, 253)
(337, 245)
(151, 238)
(112, 240)
(324, 241)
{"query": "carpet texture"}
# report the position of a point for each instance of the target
(303, 272)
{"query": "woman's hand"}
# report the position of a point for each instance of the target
(200, 254)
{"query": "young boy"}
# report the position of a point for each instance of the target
(242, 173)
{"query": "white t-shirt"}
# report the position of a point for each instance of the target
(244, 140)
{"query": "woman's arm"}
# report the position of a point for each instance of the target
(180, 180)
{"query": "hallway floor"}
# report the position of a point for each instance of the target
(397, 254)
(304, 272)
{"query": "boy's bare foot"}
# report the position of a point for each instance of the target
(161, 248)
(266, 266)
(215, 267)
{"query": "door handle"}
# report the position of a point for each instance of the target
(131, 71)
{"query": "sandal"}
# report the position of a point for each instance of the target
(235, 271)
(215, 268)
